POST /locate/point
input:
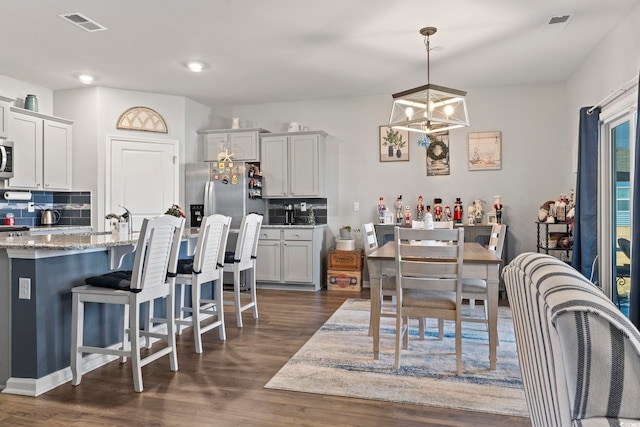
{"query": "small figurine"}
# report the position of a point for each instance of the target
(407, 216)
(437, 209)
(457, 211)
(470, 215)
(420, 210)
(497, 207)
(447, 213)
(478, 210)
(399, 214)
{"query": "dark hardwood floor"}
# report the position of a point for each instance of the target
(224, 385)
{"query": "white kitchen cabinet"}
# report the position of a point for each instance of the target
(244, 144)
(5, 105)
(290, 258)
(42, 151)
(293, 164)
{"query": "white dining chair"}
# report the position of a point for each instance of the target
(386, 277)
(205, 268)
(428, 282)
(152, 277)
(244, 267)
(476, 289)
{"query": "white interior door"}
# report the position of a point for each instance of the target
(142, 175)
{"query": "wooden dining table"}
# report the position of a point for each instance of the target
(478, 263)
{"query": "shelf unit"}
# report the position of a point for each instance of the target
(543, 237)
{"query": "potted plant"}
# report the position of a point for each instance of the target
(345, 232)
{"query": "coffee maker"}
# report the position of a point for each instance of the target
(289, 214)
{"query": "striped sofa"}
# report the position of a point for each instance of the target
(579, 356)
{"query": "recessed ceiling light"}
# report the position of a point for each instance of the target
(86, 78)
(196, 66)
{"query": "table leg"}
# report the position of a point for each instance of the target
(376, 297)
(493, 281)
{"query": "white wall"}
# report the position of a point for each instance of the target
(18, 89)
(536, 154)
(613, 63)
(95, 111)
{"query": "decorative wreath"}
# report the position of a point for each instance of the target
(431, 150)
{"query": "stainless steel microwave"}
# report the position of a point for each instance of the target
(6, 159)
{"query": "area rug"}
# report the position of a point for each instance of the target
(338, 360)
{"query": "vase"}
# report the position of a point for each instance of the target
(398, 153)
(31, 103)
(390, 151)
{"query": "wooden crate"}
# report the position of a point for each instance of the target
(344, 280)
(345, 260)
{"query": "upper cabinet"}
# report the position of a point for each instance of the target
(244, 144)
(5, 104)
(42, 151)
(293, 164)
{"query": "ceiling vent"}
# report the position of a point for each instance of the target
(558, 22)
(83, 22)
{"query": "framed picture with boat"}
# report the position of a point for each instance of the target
(485, 151)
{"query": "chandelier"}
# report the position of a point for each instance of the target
(429, 108)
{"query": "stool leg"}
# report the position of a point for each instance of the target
(77, 331)
(126, 333)
(252, 281)
(148, 323)
(195, 314)
(134, 333)
(182, 288)
(236, 295)
(171, 328)
(219, 296)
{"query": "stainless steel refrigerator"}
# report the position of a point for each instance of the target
(221, 195)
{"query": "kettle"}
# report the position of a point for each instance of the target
(49, 217)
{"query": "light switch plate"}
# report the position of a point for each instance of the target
(303, 206)
(24, 288)
(356, 206)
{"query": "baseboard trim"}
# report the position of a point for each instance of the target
(35, 387)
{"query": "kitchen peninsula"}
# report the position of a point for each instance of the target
(36, 277)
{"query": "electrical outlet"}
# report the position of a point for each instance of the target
(303, 206)
(31, 207)
(356, 206)
(24, 288)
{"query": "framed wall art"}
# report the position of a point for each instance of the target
(438, 155)
(393, 144)
(485, 151)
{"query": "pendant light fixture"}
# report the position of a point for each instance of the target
(429, 108)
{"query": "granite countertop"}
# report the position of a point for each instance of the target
(63, 228)
(294, 226)
(77, 241)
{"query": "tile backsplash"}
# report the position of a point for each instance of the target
(74, 207)
(276, 216)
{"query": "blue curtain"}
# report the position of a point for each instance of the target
(634, 296)
(585, 238)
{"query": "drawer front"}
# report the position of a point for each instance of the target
(297, 234)
(269, 234)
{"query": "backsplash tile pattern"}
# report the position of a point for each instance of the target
(74, 207)
(275, 210)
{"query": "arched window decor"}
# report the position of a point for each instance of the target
(142, 118)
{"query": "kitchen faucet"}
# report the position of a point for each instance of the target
(128, 216)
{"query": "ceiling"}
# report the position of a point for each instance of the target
(261, 51)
